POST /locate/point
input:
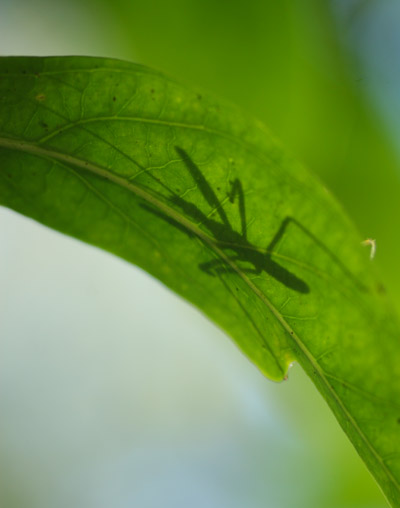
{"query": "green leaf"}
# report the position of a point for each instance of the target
(208, 202)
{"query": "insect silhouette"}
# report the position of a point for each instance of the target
(235, 243)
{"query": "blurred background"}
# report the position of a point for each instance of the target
(113, 391)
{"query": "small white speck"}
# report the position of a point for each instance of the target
(372, 243)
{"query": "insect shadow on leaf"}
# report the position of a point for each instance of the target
(234, 243)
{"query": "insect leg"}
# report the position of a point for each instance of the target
(237, 189)
(204, 187)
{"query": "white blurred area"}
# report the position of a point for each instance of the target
(63, 27)
(116, 393)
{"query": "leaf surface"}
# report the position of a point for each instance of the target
(207, 201)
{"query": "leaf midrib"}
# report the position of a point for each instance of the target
(33, 149)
